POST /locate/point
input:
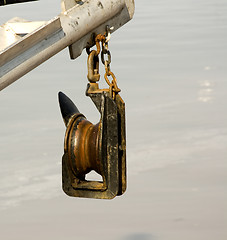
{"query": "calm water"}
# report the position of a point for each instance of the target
(171, 64)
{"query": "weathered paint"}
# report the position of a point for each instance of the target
(73, 28)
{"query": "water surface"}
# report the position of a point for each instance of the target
(171, 64)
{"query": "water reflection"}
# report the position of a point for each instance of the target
(206, 91)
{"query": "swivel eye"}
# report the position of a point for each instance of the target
(93, 67)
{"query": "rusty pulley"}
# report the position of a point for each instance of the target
(100, 147)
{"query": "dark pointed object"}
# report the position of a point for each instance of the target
(68, 108)
(6, 2)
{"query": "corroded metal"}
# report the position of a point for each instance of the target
(100, 147)
(93, 67)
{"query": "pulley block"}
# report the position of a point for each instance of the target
(100, 147)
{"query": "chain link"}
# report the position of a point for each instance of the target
(104, 39)
(105, 51)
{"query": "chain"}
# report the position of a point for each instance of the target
(105, 51)
(104, 39)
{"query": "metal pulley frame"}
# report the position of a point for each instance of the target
(100, 147)
(24, 45)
